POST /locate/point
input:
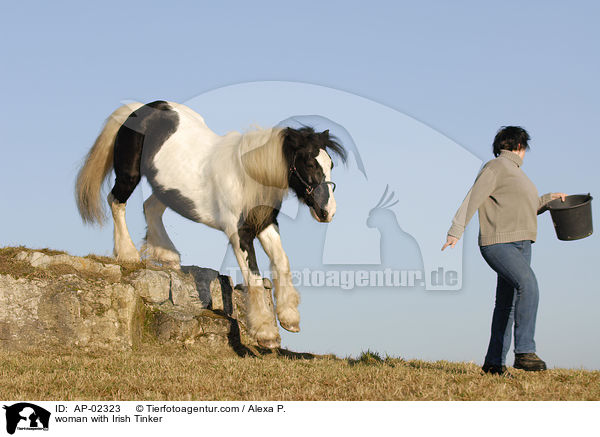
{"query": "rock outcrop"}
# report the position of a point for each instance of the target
(55, 299)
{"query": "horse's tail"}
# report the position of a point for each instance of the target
(97, 166)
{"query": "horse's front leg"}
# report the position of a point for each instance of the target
(286, 295)
(261, 320)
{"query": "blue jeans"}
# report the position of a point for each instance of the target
(517, 297)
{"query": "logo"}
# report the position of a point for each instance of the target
(25, 416)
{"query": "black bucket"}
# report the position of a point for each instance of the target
(572, 218)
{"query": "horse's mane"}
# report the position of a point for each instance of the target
(262, 157)
(265, 173)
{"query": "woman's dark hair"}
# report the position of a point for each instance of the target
(509, 138)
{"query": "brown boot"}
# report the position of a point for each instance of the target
(529, 362)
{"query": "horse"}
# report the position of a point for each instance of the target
(234, 183)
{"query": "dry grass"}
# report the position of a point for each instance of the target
(171, 373)
(22, 269)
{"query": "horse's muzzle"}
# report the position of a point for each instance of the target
(322, 215)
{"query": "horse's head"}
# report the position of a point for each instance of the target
(309, 168)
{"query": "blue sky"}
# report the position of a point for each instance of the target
(462, 69)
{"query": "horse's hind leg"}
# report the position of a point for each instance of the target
(158, 246)
(128, 176)
(124, 249)
(127, 157)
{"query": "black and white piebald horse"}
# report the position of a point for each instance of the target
(234, 183)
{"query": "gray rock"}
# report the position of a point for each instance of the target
(119, 311)
(207, 284)
(184, 291)
(111, 272)
(153, 285)
(174, 324)
(68, 311)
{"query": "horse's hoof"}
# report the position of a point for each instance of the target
(289, 319)
(269, 344)
(291, 327)
(268, 337)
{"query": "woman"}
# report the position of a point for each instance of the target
(508, 205)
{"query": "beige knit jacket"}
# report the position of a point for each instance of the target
(507, 201)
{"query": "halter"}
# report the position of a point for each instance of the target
(307, 187)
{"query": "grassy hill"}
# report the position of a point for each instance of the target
(171, 371)
(175, 373)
